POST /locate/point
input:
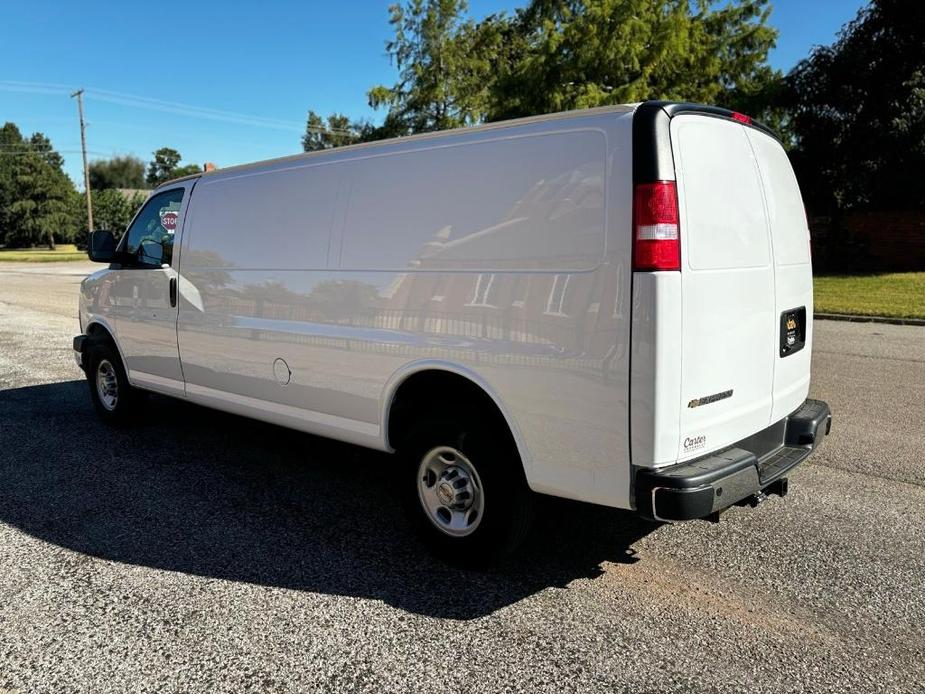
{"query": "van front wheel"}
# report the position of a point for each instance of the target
(465, 491)
(115, 401)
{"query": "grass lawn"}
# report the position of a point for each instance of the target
(64, 251)
(896, 295)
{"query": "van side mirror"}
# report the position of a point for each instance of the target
(102, 246)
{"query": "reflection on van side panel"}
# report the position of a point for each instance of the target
(484, 254)
(612, 305)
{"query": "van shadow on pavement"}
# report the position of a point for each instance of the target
(210, 494)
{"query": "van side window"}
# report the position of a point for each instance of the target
(149, 240)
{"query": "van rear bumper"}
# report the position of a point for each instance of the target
(698, 488)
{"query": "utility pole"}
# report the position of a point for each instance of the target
(83, 146)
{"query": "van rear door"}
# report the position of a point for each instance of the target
(793, 275)
(729, 301)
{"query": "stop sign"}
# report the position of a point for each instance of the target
(169, 220)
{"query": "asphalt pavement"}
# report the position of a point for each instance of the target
(203, 551)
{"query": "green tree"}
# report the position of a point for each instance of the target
(112, 209)
(35, 194)
(186, 170)
(445, 67)
(11, 146)
(585, 53)
(10, 135)
(858, 113)
(118, 172)
(162, 166)
(336, 131)
(166, 166)
(41, 145)
(555, 55)
(40, 211)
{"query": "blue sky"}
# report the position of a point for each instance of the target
(250, 70)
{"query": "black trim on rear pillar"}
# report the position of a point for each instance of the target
(652, 158)
(700, 487)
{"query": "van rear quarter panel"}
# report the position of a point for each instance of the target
(502, 254)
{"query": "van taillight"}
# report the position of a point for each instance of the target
(656, 243)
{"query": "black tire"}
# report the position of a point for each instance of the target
(508, 503)
(102, 356)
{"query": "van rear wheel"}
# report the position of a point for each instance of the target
(465, 491)
(116, 402)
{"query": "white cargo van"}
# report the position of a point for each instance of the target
(611, 305)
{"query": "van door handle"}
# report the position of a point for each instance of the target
(173, 292)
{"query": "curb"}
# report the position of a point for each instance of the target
(868, 319)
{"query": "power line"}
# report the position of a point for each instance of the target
(207, 112)
(191, 110)
(34, 87)
(144, 102)
(33, 153)
(26, 146)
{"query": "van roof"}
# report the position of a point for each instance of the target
(667, 109)
(616, 108)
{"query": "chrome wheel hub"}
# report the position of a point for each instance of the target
(107, 384)
(450, 491)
